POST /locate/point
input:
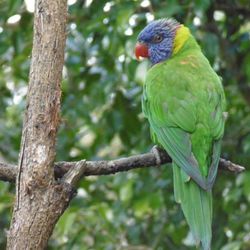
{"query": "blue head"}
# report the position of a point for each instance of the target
(156, 40)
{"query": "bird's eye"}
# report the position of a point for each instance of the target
(157, 38)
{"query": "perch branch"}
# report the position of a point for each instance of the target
(8, 172)
(87, 168)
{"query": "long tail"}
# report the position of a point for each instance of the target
(196, 205)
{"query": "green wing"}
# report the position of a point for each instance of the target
(185, 111)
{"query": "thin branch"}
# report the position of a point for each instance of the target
(230, 166)
(114, 166)
(87, 168)
(8, 172)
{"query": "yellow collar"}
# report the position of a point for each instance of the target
(181, 37)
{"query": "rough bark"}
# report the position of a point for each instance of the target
(39, 199)
(8, 172)
(129, 163)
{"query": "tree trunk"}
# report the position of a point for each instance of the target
(40, 200)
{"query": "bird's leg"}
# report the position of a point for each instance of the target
(156, 151)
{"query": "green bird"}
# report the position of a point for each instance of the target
(184, 102)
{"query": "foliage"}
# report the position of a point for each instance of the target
(101, 118)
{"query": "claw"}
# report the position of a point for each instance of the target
(155, 151)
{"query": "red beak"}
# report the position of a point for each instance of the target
(141, 50)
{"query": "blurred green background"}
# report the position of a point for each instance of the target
(102, 119)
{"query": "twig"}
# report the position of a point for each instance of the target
(8, 172)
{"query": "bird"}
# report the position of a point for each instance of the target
(184, 102)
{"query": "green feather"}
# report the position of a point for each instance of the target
(197, 207)
(183, 100)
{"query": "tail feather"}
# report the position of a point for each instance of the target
(196, 204)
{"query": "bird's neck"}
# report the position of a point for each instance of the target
(182, 34)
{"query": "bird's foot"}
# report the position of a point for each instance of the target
(156, 151)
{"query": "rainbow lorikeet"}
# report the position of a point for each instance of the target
(184, 102)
